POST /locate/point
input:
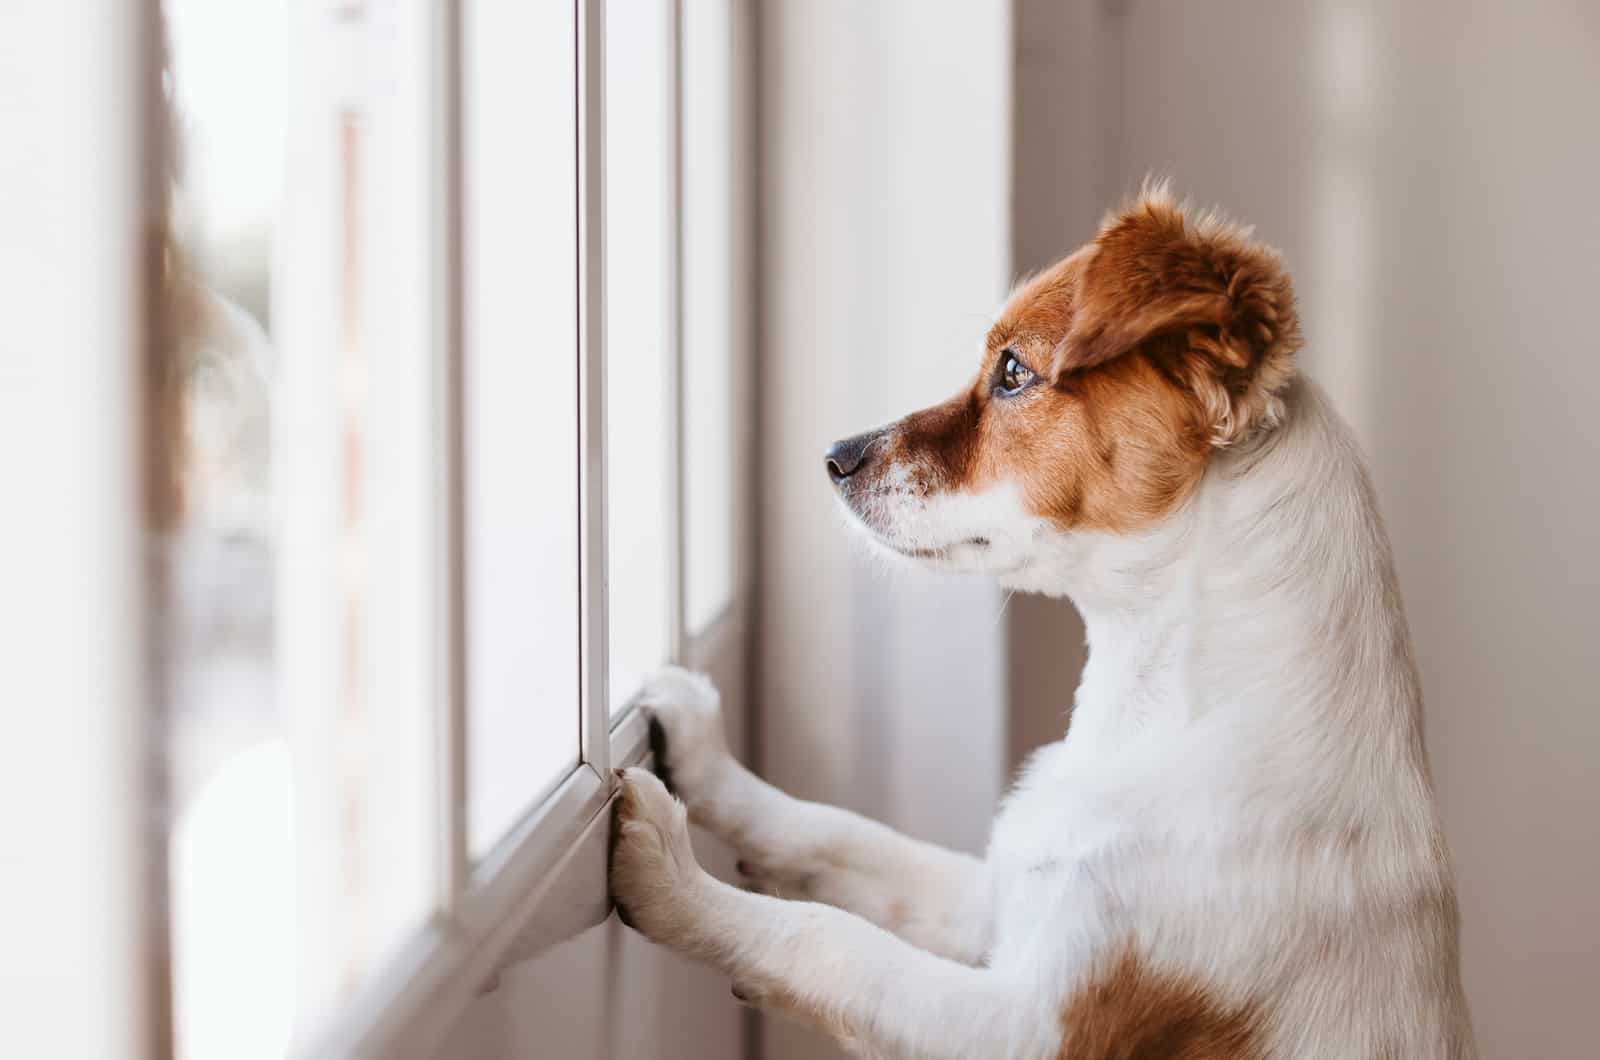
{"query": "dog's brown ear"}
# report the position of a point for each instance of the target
(1220, 298)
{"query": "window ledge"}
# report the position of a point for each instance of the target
(543, 884)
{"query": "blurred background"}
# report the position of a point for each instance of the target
(812, 210)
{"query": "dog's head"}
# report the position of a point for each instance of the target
(1106, 384)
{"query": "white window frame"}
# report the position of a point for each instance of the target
(545, 880)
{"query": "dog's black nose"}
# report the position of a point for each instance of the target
(848, 457)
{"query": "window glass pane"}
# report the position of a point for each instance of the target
(520, 407)
(302, 563)
(639, 339)
(708, 466)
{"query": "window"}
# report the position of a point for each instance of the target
(710, 471)
(452, 344)
(641, 340)
(520, 406)
(303, 574)
(671, 475)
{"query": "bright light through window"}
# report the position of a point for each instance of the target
(315, 277)
(521, 411)
(639, 338)
(302, 573)
(708, 458)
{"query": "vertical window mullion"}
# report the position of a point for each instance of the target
(590, 160)
(677, 578)
(451, 825)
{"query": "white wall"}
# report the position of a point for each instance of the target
(1428, 169)
(83, 948)
(885, 162)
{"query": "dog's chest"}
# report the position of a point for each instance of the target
(1059, 851)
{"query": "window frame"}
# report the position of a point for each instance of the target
(545, 879)
(481, 909)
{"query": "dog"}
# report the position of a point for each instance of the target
(1235, 850)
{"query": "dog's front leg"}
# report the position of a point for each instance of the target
(934, 898)
(875, 993)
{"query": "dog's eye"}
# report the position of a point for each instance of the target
(1014, 375)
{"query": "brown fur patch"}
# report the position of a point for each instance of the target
(1114, 449)
(1159, 341)
(1130, 1012)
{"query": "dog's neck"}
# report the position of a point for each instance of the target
(1270, 595)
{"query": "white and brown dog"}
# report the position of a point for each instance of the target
(1235, 850)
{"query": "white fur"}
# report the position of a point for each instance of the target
(1243, 794)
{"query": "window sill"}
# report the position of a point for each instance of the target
(548, 885)
(543, 884)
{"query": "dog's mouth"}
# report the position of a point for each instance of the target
(886, 531)
(939, 552)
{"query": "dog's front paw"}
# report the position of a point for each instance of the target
(655, 880)
(686, 729)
